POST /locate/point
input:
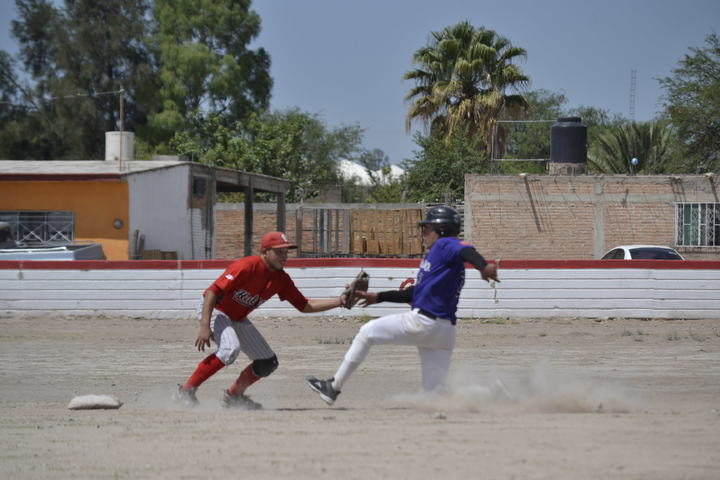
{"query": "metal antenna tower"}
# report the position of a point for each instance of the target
(633, 83)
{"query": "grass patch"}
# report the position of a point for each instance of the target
(673, 337)
(495, 321)
(637, 334)
(697, 337)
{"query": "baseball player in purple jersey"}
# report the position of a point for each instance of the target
(430, 324)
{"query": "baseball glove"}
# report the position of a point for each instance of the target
(361, 282)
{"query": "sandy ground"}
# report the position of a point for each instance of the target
(615, 398)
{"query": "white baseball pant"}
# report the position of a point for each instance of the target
(234, 337)
(435, 340)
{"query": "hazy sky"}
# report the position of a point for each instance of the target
(345, 59)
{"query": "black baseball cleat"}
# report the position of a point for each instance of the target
(324, 388)
(186, 397)
(239, 401)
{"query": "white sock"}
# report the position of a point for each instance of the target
(353, 358)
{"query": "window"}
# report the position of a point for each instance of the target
(34, 228)
(698, 224)
(616, 254)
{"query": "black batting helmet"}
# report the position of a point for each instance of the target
(445, 219)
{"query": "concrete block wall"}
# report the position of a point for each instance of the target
(529, 288)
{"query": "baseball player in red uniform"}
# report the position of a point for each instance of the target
(243, 287)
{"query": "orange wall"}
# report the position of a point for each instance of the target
(96, 205)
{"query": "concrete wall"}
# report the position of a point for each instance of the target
(159, 208)
(578, 217)
(167, 289)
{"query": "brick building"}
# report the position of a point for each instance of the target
(582, 217)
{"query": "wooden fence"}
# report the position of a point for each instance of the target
(358, 232)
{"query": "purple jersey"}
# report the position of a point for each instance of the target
(441, 278)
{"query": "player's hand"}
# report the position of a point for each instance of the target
(203, 338)
(366, 298)
(489, 272)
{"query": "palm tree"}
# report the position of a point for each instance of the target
(461, 81)
(648, 142)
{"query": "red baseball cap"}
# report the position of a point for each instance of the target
(275, 240)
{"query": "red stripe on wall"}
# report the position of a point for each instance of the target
(351, 262)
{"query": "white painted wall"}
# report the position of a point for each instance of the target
(593, 293)
(159, 209)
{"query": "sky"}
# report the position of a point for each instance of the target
(344, 59)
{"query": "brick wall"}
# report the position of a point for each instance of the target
(230, 228)
(578, 217)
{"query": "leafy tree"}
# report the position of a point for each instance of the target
(648, 142)
(384, 188)
(170, 57)
(461, 83)
(439, 167)
(373, 160)
(78, 58)
(205, 63)
(14, 118)
(531, 139)
(290, 144)
(597, 121)
(692, 101)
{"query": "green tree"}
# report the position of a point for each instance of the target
(205, 63)
(462, 81)
(440, 165)
(692, 102)
(289, 144)
(373, 160)
(14, 118)
(384, 187)
(78, 57)
(530, 139)
(648, 142)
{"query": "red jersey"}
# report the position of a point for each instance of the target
(247, 283)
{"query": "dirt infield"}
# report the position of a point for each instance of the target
(542, 398)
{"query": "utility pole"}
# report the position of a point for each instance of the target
(122, 125)
(633, 82)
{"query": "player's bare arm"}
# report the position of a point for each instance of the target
(203, 338)
(315, 305)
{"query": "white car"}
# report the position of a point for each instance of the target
(642, 252)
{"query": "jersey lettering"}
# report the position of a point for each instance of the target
(440, 279)
(245, 298)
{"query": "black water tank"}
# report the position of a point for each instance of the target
(568, 141)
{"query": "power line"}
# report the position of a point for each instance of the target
(65, 97)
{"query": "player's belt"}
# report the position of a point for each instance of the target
(429, 315)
